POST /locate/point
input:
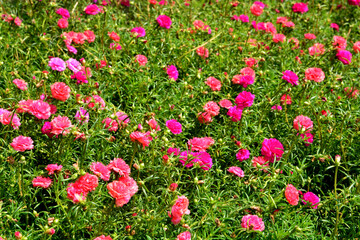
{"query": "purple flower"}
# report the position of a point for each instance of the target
(57, 64)
(73, 64)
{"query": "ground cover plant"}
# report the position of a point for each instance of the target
(206, 119)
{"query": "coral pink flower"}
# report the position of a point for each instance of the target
(119, 165)
(153, 124)
(79, 38)
(236, 171)
(20, 83)
(40, 109)
(60, 91)
(174, 126)
(198, 24)
(303, 123)
(141, 59)
(53, 168)
(21, 143)
(173, 187)
(260, 161)
(281, 20)
(271, 149)
(290, 77)
(339, 42)
(87, 182)
(60, 125)
(244, 99)
(317, 49)
(179, 209)
(250, 62)
(184, 236)
(122, 190)
(204, 117)
(213, 83)
(256, 9)
(100, 170)
(57, 64)
(279, 38)
(242, 155)
(212, 108)
(90, 36)
(344, 56)
(292, 194)
(63, 12)
(92, 9)
(310, 197)
(63, 23)
(252, 222)
(42, 182)
(309, 36)
(143, 138)
(114, 36)
(172, 72)
(356, 47)
(285, 99)
(315, 74)
(200, 144)
(95, 99)
(7, 117)
(103, 237)
(18, 235)
(164, 21)
(75, 193)
(235, 113)
(243, 80)
(225, 103)
(110, 124)
(202, 52)
(247, 72)
(300, 7)
(24, 106)
(138, 32)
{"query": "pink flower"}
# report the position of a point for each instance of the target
(122, 190)
(243, 80)
(184, 236)
(179, 209)
(172, 72)
(256, 9)
(344, 56)
(212, 108)
(300, 7)
(310, 197)
(235, 113)
(292, 195)
(303, 123)
(247, 72)
(236, 171)
(63, 12)
(24, 106)
(60, 91)
(242, 155)
(309, 36)
(175, 151)
(244, 99)
(114, 36)
(200, 144)
(18, 235)
(315, 74)
(276, 108)
(285, 99)
(122, 118)
(90, 36)
(110, 124)
(7, 117)
(225, 103)
(57, 64)
(17, 21)
(87, 182)
(40, 109)
(213, 83)
(339, 42)
(60, 125)
(100, 170)
(53, 168)
(279, 38)
(82, 116)
(42, 182)
(63, 23)
(164, 21)
(95, 100)
(261, 161)
(46, 129)
(50, 231)
(250, 62)
(20, 83)
(317, 50)
(173, 187)
(252, 222)
(92, 9)
(290, 77)
(74, 65)
(143, 138)
(103, 237)
(356, 47)
(153, 124)
(202, 52)
(174, 126)
(354, 2)
(138, 32)
(334, 26)
(119, 165)
(141, 59)
(308, 138)
(204, 117)
(272, 149)
(21, 143)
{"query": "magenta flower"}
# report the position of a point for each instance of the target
(164, 21)
(344, 56)
(172, 72)
(290, 77)
(138, 32)
(174, 126)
